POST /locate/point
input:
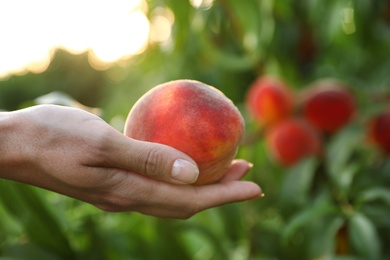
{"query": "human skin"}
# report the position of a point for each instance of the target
(75, 153)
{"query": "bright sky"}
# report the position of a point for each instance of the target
(31, 29)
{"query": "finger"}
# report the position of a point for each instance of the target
(237, 171)
(183, 201)
(153, 160)
(229, 193)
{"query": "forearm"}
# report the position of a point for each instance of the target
(10, 157)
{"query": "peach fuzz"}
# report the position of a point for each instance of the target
(194, 118)
(269, 100)
(292, 140)
(328, 105)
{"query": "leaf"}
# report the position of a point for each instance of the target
(363, 236)
(338, 154)
(203, 232)
(254, 23)
(373, 194)
(311, 213)
(29, 251)
(322, 238)
(27, 207)
(8, 225)
(226, 59)
(176, 246)
(295, 187)
(243, 16)
(347, 175)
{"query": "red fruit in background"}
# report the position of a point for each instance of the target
(387, 12)
(292, 140)
(328, 105)
(379, 131)
(269, 100)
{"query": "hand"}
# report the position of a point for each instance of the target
(77, 154)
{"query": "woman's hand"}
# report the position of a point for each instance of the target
(77, 154)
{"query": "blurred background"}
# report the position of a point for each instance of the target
(103, 55)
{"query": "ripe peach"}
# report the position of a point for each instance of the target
(269, 100)
(194, 118)
(328, 105)
(291, 140)
(379, 130)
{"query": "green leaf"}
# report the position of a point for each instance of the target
(254, 23)
(243, 16)
(8, 225)
(211, 240)
(226, 59)
(295, 187)
(322, 236)
(29, 251)
(363, 236)
(339, 153)
(376, 193)
(27, 207)
(320, 208)
(347, 175)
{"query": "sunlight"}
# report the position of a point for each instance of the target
(204, 4)
(31, 30)
(161, 25)
(115, 42)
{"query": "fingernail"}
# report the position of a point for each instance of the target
(250, 165)
(261, 195)
(184, 171)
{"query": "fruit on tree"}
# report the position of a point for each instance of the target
(269, 100)
(194, 118)
(379, 130)
(328, 105)
(292, 140)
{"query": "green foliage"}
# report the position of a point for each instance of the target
(333, 207)
(68, 73)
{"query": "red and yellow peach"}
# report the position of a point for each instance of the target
(292, 140)
(194, 118)
(269, 100)
(328, 105)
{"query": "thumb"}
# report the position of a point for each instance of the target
(153, 160)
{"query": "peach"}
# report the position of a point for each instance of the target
(379, 130)
(194, 118)
(269, 100)
(292, 140)
(328, 105)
